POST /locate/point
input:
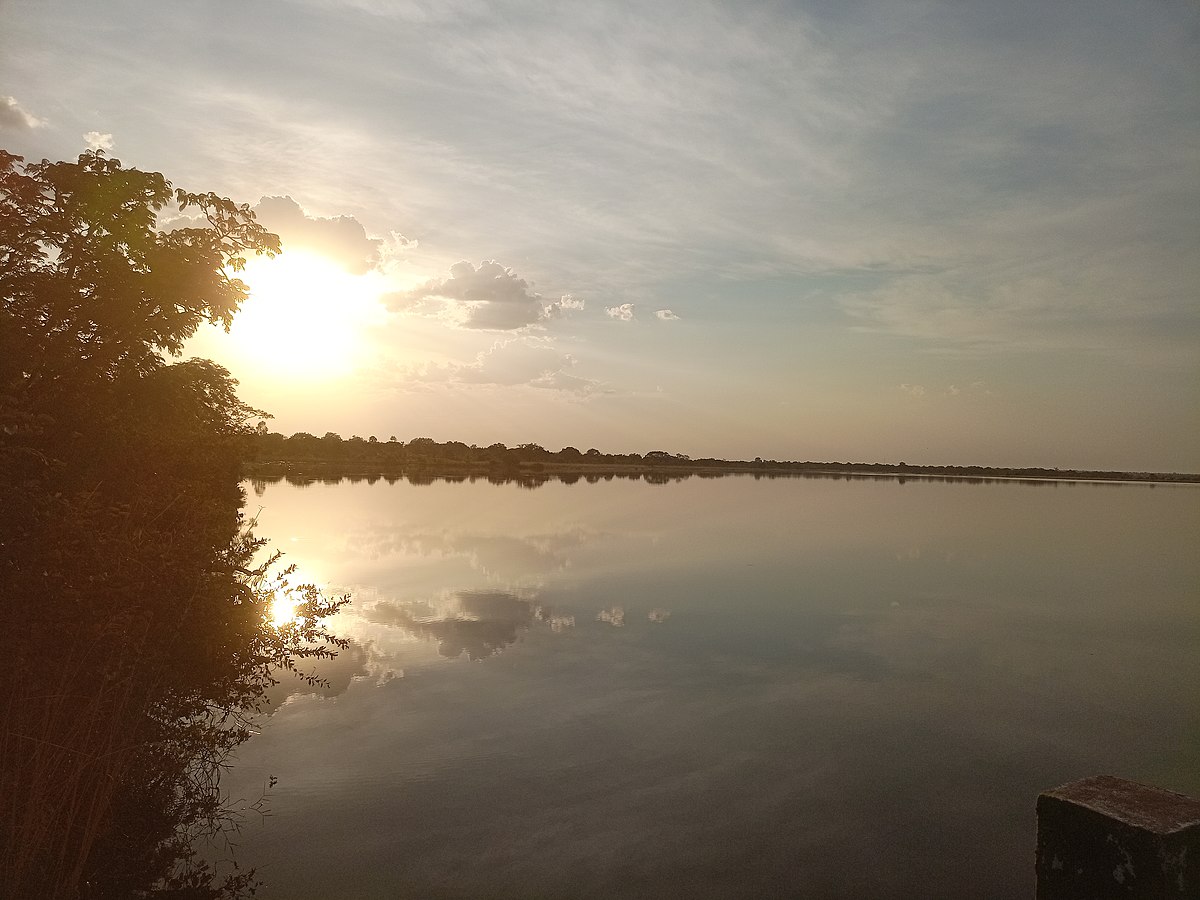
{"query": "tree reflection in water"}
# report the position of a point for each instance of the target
(143, 647)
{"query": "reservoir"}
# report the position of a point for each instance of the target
(716, 687)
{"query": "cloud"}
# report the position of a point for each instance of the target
(623, 313)
(527, 361)
(507, 557)
(973, 390)
(99, 140)
(490, 297)
(480, 624)
(614, 616)
(666, 315)
(971, 314)
(342, 239)
(572, 384)
(13, 117)
(394, 243)
(563, 304)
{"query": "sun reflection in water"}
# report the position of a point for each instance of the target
(288, 597)
(283, 609)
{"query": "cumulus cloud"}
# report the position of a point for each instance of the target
(666, 315)
(13, 117)
(342, 239)
(623, 313)
(395, 243)
(913, 390)
(98, 140)
(565, 303)
(489, 296)
(529, 361)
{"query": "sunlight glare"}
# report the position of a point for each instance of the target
(287, 599)
(283, 610)
(305, 316)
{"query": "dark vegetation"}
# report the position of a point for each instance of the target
(274, 455)
(132, 590)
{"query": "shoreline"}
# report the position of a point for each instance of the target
(318, 469)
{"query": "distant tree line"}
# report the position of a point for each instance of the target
(268, 446)
(304, 476)
(274, 453)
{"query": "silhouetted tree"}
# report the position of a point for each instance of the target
(134, 620)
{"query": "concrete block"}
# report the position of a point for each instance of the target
(1105, 837)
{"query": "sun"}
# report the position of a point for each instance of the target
(305, 317)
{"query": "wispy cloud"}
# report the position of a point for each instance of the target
(529, 361)
(1101, 311)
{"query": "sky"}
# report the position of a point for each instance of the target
(939, 233)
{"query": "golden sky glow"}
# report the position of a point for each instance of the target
(304, 319)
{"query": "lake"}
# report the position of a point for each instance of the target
(717, 687)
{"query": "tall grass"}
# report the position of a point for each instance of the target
(66, 747)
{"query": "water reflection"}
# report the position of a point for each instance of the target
(478, 623)
(501, 556)
(577, 679)
(326, 677)
(127, 694)
(471, 624)
(297, 476)
(614, 616)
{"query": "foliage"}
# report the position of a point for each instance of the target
(128, 582)
(87, 276)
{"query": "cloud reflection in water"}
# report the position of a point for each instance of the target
(510, 557)
(478, 623)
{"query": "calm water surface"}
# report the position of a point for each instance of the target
(719, 687)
